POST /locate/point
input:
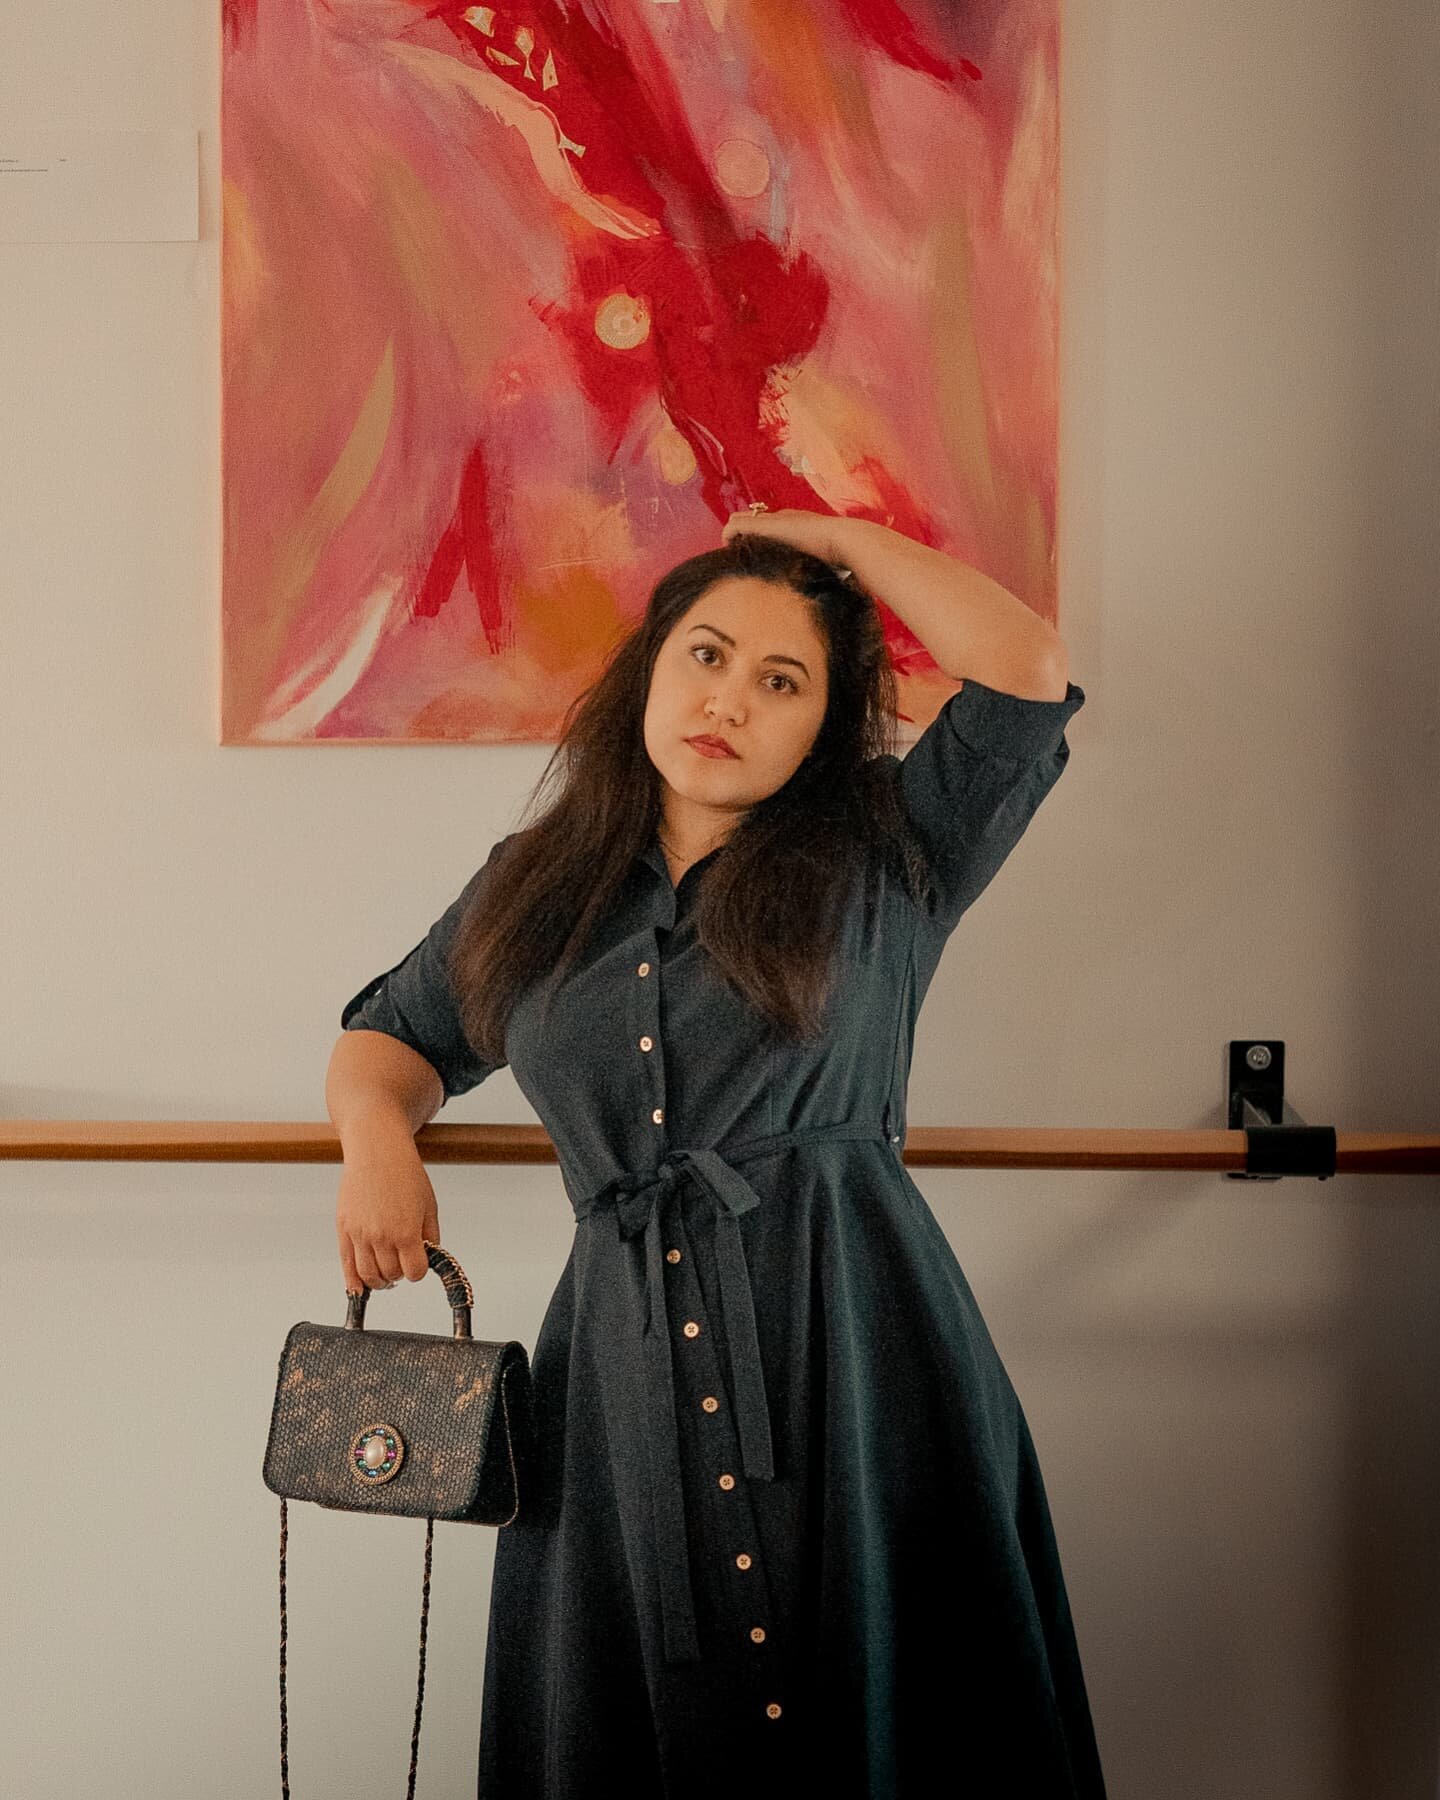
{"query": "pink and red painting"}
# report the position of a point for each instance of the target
(521, 302)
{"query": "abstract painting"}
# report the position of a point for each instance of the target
(521, 302)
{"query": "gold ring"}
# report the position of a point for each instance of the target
(758, 506)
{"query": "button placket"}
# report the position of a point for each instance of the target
(647, 1022)
(725, 1552)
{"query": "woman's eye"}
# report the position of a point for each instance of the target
(695, 650)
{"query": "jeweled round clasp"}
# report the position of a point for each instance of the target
(376, 1453)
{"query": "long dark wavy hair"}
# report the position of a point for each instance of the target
(769, 902)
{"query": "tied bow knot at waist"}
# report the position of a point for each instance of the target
(639, 1202)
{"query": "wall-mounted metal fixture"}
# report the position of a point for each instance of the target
(1277, 1140)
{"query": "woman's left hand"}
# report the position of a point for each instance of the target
(822, 534)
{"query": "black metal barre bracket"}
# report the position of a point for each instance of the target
(1278, 1142)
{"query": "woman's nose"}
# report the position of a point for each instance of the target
(727, 702)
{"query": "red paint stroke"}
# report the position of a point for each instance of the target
(724, 311)
(887, 27)
(717, 330)
(614, 381)
(439, 577)
(720, 333)
(468, 540)
(238, 20)
(601, 103)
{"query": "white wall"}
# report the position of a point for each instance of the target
(1230, 1384)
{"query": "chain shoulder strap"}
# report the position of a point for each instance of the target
(424, 1623)
(420, 1682)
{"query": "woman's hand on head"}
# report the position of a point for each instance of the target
(821, 534)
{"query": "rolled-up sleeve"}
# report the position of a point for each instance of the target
(416, 1001)
(974, 779)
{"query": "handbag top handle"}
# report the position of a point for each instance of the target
(457, 1290)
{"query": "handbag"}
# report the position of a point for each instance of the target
(403, 1423)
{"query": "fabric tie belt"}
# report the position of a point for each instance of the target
(639, 1202)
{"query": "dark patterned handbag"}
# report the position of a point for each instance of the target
(399, 1422)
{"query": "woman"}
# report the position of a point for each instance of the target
(787, 1522)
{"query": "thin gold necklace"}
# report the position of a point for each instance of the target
(670, 849)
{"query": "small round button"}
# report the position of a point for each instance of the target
(757, 1634)
(742, 1561)
(710, 1403)
(658, 1115)
(672, 1256)
(644, 969)
(647, 1043)
(692, 1330)
(772, 1711)
(727, 1482)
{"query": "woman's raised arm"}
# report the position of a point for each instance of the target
(973, 627)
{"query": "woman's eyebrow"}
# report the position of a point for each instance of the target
(794, 661)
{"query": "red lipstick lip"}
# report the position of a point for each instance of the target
(716, 743)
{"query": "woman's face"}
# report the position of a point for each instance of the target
(746, 663)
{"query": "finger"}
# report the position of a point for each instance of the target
(368, 1266)
(353, 1254)
(347, 1265)
(414, 1260)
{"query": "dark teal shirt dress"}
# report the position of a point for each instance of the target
(788, 1529)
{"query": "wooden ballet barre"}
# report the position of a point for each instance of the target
(926, 1146)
